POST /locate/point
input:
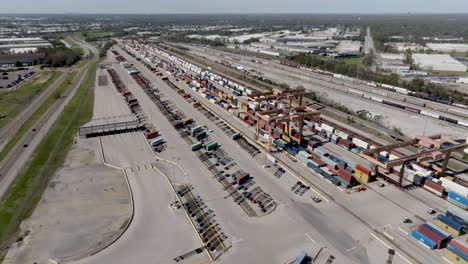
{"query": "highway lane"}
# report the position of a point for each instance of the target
(15, 160)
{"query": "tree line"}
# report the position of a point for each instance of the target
(363, 72)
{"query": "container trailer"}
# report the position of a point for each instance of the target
(196, 146)
(151, 134)
(157, 141)
(211, 146)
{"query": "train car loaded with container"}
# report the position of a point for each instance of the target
(448, 119)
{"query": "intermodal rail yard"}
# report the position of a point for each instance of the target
(160, 142)
(218, 170)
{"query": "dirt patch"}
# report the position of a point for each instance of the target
(84, 207)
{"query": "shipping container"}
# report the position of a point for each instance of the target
(448, 222)
(157, 141)
(196, 146)
(441, 232)
(461, 201)
(346, 176)
(152, 134)
(459, 214)
(434, 188)
(423, 239)
(453, 257)
(457, 251)
(462, 245)
(242, 178)
(440, 241)
(211, 146)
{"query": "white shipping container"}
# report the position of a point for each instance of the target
(458, 112)
(379, 92)
(428, 113)
(304, 154)
(341, 134)
(401, 90)
(377, 99)
(360, 143)
(352, 91)
(455, 187)
(328, 128)
(461, 123)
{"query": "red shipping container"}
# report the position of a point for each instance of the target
(431, 235)
(460, 246)
(332, 170)
(153, 134)
(318, 161)
(242, 178)
(434, 186)
(346, 176)
(363, 169)
(344, 143)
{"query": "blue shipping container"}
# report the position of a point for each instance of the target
(458, 251)
(457, 203)
(424, 239)
(450, 222)
(458, 197)
(301, 258)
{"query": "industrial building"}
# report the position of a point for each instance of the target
(438, 62)
(448, 47)
(22, 45)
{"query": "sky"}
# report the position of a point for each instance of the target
(233, 6)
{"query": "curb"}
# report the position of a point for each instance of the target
(127, 225)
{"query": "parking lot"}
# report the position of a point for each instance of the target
(9, 80)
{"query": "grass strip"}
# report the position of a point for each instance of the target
(13, 102)
(27, 190)
(38, 113)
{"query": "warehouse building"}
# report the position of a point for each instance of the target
(448, 47)
(22, 45)
(438, 62)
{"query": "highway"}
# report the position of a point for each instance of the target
(17, 157)
(7, 132)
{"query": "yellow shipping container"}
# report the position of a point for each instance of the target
(454, 257)
(447, 228)
(286, 138)
(362, 177)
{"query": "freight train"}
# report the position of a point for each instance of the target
(405, 97)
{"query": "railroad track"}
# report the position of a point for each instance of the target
(331, 198)
(215, 68)
(354, 84)
(11, 128)
(17, 151)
